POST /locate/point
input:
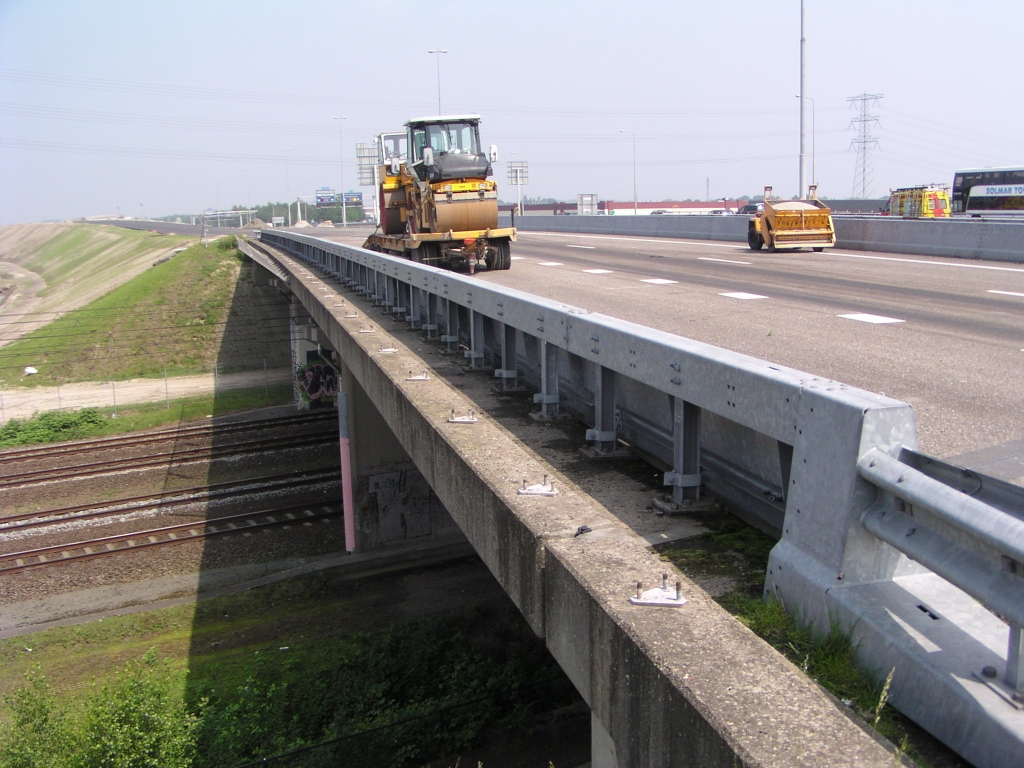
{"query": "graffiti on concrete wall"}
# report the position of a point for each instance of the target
(403, 506)
(318, 382)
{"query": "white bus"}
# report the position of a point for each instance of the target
(991, 191)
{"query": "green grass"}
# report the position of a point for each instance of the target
(290, 664)
(171, 317)
(52, 427)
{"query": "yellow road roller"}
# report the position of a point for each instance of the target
(438, 204)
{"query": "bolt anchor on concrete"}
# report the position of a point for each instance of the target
(418, 377)
(663, 596)
(544, 488)
(387, 350)
(469, 418)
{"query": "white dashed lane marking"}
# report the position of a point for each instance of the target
(598, 271)
(1007, 293)
(659, 281)
(743, 296)
(874, 319)
(721, 261)
(550, 264)
(588, 247)
(518, 258)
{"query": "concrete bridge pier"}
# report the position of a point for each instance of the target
(389, 502)
(393, 504)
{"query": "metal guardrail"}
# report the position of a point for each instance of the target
(830, 469)
(971, 544)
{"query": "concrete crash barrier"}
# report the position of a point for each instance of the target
(789, 451)
(964, 238)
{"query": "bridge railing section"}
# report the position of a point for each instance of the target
(889, 543)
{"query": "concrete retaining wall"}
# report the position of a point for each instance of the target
(958, 238)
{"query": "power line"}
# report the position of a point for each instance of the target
(864, 142)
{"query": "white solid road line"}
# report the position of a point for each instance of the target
(743, 296)
(588, 247)
(1007, 293)
(550, 264)
(659, 281)
(722, 261)
(922, 261)
(873, 319)
(598, 271)
(518, 258)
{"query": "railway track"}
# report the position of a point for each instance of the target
(119, 442)
(244, 524)
(40, 476)
(164, 501)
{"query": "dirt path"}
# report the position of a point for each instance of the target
(20, 288)
(23, 403)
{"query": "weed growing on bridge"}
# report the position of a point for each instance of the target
(739, 552)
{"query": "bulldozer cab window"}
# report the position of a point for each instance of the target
(419, 141)
(455, 138)
(394, 147)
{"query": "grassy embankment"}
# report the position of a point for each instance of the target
(171, 317)
(252, 675)
(180, 317)
(79, 262)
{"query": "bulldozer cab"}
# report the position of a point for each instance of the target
(444, 148)
(392, 151)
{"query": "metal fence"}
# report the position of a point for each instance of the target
(873, 535)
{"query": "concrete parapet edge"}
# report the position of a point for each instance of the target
(689, 686)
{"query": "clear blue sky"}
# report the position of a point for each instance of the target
(158, 108)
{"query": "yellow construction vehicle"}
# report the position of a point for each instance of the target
(437, 204)
(792, 223)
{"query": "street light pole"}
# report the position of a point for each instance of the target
(437, 55)
(341, 147)
(623, 130)
(803, 41)
(287, 186)
(248, 197)
(814, 131)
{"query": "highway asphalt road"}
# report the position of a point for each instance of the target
(946, 335)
